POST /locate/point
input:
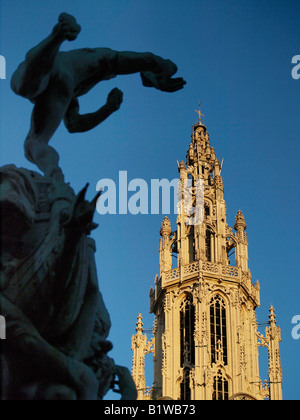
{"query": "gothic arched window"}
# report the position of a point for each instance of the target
(207, 210)
(187, 330)
(218, 330)
(231, 251)
(209, 244)
(192, 245)
(221, 392)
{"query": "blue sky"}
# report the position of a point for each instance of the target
(236, 57)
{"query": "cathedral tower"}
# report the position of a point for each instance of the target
(205, 339)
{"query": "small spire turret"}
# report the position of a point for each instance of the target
(139, 325)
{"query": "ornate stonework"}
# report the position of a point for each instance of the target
(206, 336)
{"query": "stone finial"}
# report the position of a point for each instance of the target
(166, 229)
(272, 316)
(240, 223)
(182, 166)
(139, 325)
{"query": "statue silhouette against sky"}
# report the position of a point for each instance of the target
(53, 81)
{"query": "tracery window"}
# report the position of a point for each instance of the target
(207, 210)
(231, 251)
(187, 330)
(192, 245)
(218, 330)
(220, 392)
(209, 243)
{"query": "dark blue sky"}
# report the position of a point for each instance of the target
(236, 57)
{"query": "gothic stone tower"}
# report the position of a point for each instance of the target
(206, 339)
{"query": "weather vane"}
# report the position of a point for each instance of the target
(200, 114)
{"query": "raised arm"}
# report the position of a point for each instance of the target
(77, 123)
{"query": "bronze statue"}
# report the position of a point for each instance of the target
(54, 80)
(57, 324)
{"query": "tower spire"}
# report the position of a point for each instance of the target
(273, 336)
(204, 341)
(140, 347)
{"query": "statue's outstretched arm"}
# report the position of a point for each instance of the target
(77, 123)
(155, 71)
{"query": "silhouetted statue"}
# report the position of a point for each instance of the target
(53, 81)
(56, 321)
(57, 325)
